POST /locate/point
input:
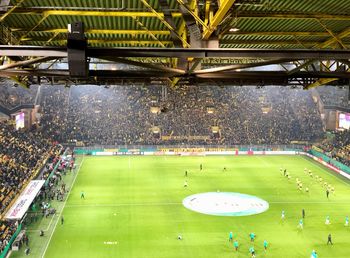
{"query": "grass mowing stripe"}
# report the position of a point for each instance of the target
(47, 245)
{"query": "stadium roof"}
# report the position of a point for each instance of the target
(194, 24)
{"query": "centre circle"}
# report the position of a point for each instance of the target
(225, 204)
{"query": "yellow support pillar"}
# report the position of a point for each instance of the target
(218, 17)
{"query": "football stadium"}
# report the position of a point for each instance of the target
(174, 128)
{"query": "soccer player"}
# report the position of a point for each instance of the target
(200, 167)
(265, 245)
(186, 173)
(82, 195)
(62, 220)
(303, 213)
(230, 236)
(300, 186)
(328, 221)
(285, 172)
(313, 254)
(235, 245)
(252, 237)
(224, 169)
(301, 224)
(282, 215)
(329, 241)
(327, 193)
(346, 221)
(252, 251)
(306, 189)
(185, 183)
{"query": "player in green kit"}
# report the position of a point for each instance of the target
(252, 251)
(82, 195)
(235, 245)
(265, 245)
(301, 224)
(230, 237)
(252, 237)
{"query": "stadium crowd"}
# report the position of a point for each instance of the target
(338, 148)
(21, 155)
(11, 97)
(7, 229)
(121, 115)
(334, 96)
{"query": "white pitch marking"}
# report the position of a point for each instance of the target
(76, 175)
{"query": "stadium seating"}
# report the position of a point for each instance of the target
(21, 156)
(334, 96)
(121, 115)
(338, 148)
(11, 96)
(7, 229)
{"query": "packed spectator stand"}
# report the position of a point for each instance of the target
(22, 155)
(11, 97)
(121, 115)
(338, 147)
(334, 96)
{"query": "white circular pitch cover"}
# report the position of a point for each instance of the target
(225, 204)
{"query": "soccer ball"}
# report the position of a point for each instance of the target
(179, 237)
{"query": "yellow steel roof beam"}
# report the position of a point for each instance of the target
(207, 10)
(97, 31)
(53, 36)
(35, 26)
(321, 16)
(161, 18)
(107, 13)
(280, 33)
(218, 17)
(320, 82)
(335, 37)
(11, 10)
(345, 33)
(147, 31)
(193, 13)
(121, 41)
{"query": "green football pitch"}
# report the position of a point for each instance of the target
(133, 208)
